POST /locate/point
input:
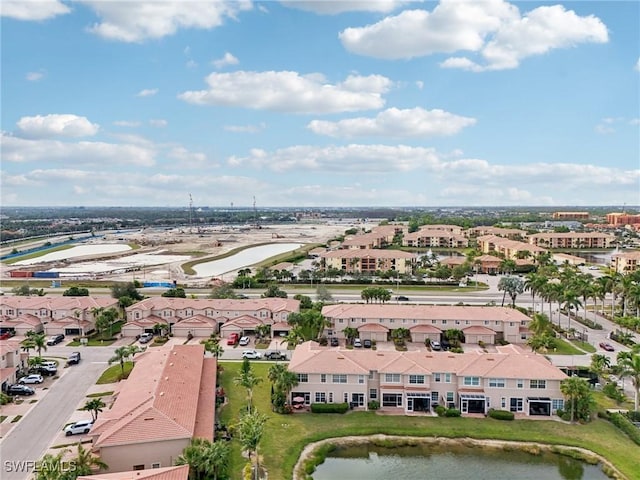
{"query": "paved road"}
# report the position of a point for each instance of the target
(31, 437)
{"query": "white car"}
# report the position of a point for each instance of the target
(251, 354)
(79, 427)
(244, 341)
(435, 345)
(35, 378)
(357, 343)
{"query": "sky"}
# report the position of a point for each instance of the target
(320, 103)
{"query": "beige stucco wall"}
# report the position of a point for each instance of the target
(125, 457)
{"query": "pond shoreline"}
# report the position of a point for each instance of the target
(307, 455)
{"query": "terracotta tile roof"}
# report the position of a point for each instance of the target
(245, 321)
(478, 330)
(167, 473)
(205, 419)
(488, 258)
(422, 312)
(424, 329)
(58, 303)
(160, 399)
(197, 321)
(61, 322)
(281, 326)
(9, 345)
(373, 327)
(24, 319)
(371, 253)
(274, 304)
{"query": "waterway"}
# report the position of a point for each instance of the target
(369, 462)
(244, 258)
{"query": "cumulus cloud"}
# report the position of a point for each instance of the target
(287, 91)
(324, 7)
(34, 76)
(141, 20)
(158, 122)
(56, 125)
(147, 92)
(246, 128)
(393, 122)
(227, 59)
(33, 10)
(494, 30)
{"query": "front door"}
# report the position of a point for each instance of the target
(357, 399)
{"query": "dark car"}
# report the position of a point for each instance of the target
(55, 339)
(20, 390)
(335, 342)
(366, 343)
(275, 355)
(402, 298)
(74, 358)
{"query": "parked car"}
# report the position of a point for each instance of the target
(402, 298)
(79, 427)
(48, 368)
(435, 345)
(366, 343)
(244, 341)
(357, 343)
(7, 334)
(20, 390)
(55, 339)
(73, 358)
(335, 342)
(607, 346)
(233, 339)
(251, 354)
(33, 378)
(146, 337)
(275, 355)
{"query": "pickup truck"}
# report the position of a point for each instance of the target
(275, 355)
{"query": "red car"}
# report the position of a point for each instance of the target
(233, 339)
(607, 346)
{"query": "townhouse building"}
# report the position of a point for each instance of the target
(572, 240)
(407, 382)
(369, 260)
(203, 316)
(427, 237)
(168, 399)
(478, 323)
(12, 360)
(625, 262)
(165, 473)
(511, 249)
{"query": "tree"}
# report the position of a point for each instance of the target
(76, 292)
(207, 460)
(629, 364)
(322, 294)
(86, 462)
(119, 290)
(223, 290)
(305, 301)
(38, 340)
(273, 290)
(599, 364)
(95, 406)
(282, 381)
(513, 286)
(580, 401)
(212, 345)
(248, 380)
(121, 354)
(50, 466)
(350, 333)
(251, 429)
(177, 292)
(540, 324)
(541, 342)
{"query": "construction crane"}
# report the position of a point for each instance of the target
(190, 214)
(255, 212)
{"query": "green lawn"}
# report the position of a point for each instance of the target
(587, 347)
(564, 347)
(286, 435)
(114, 373)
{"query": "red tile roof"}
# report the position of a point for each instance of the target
(167, 473)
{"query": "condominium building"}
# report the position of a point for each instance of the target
(427, 237)
(625, 262)
(572, 240)
(571, 215)
(510, 233)
(369, 260)
(619, 219)
(511, 249)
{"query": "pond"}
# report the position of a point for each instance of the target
(244, 258)
(369, 462)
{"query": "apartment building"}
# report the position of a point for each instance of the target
(625, 262)
(620, 219)
(571, 215)
(477, 323)
(168, 399)
(510, 233)
(417, 381)
(204, 316)
(11, 361)
(369, 260)
(427, 237)
(511, 249)
(572, 240)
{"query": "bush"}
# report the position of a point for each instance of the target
(329, 407)
(440, 410)
(452, 412)
(624, 424)
(373, 405)
(501, 414)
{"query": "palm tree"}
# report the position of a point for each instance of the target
(95, 406)
(50, 466)
(248, 380)
(540, 324)
(575, 389)
(599, 364)
(121, 354)
(350, 333)
(206, 460)
(86, 463)
(569, 301)
(38, 340)
(630, 367)
(282, 381)
(535, 284)
(251, 429)
(212, 345)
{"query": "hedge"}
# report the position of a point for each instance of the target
(624, 424)
(501, 414)
(452, 412)
(329, 407)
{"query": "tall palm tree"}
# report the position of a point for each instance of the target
(251, 429)
(121, 354)
(570, 301)
(50, 466)
(350, 333)
(95, 406)
(38, 340)
(599, 364)
(574, 389)
(540, 324)
(86, 463)
(630, 367)
(248, 380)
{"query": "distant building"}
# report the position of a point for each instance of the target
(626, 262)
(571, 215)
(511, 249)
(369, 260)
(621, 219)
(572, 240)
(427, 237)
(510, 233)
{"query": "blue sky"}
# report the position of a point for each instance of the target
(295, 103)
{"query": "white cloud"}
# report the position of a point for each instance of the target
(287, 91)
(33, 10)
(34, 76)
(56, 125)
(333, 7)
(136, 21)
(420, 84)
(126, 123)
(158, 122)
(227, 59)
(188, 159)
(494, 30)
(637, 66)
(246, 128)
(415, 122)
(147, 92)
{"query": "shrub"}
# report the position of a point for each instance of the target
(440, 410)
(323, 341)
(501, 414)
(624, 424)
(452, 412)
(329, 407)
(373, 405)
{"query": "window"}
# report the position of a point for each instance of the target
(156, 465)
(345, 397)
(433, 321)
(516, 405)
(471, 381)
(444, 322)
(138, 467)
(437, 377)
(303, 378)
(391, 320)
(434, 397)
(392, 377)
(520, 383)
(497, 382)
(450, 396)
(373, 393)
(447, 378)
(341, 320)
(323, 378)
(416, 379)
(339, 378)
(538, 384)
(392, 400)
(503, 402)
(523, 336)
(486, 322)
(321, 397)
(557, 404)
(360, 379)
(512, 324)
(330, 397)
(467, 322)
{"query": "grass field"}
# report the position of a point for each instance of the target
(286, 435)
(114, 373)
